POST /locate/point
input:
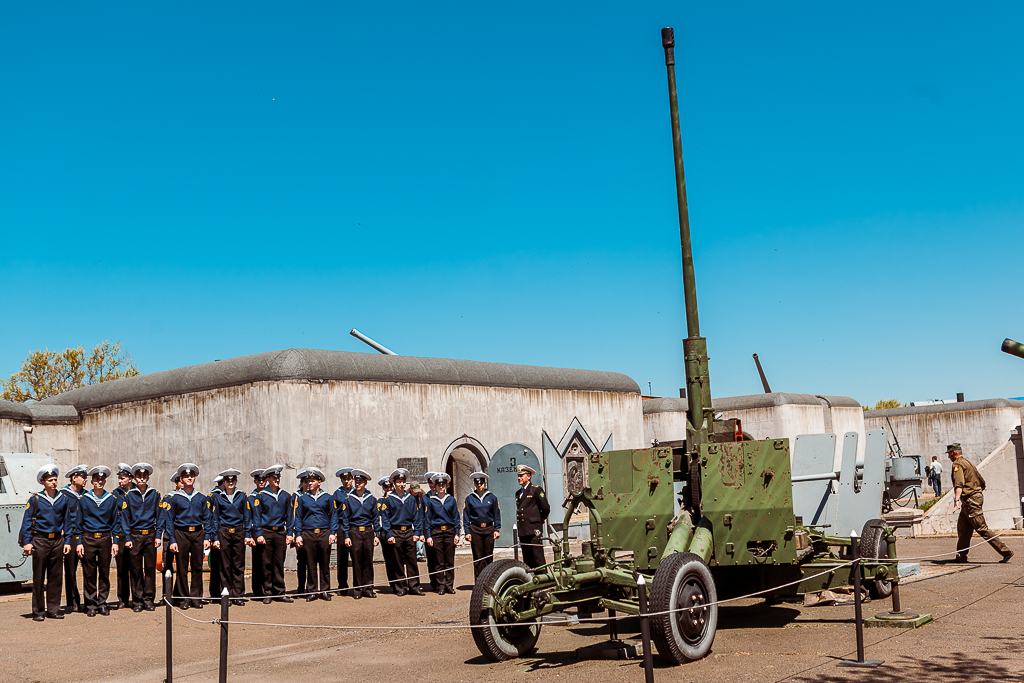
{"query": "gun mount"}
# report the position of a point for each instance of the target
(735, 533)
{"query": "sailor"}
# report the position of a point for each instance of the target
(124, 584)
(167, 532)
(259, 482)
(444, 529)
(315, 528)
(387, 549)
(481, 518)
(272, 508)
(190, 528)
(359, 526)
(98, 540)
(75, 488)
(47, 530)
(532, 509)
(231, 520)
(213, 558)
(345, 475)
(301, 568)
(428, 552)
(140, 513)
(402, 522)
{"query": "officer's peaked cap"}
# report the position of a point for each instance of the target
(525, 469)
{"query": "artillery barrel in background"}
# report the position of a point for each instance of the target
(1013, 348)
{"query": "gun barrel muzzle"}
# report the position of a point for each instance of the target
(1013, 348)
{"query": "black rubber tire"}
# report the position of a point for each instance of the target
(683, 580)
(500, 643)
(874, 547)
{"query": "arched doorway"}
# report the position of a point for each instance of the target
(463, 457)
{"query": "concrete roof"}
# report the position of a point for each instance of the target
(37, 413)
(679, 405)
(946, 408)
(314, 364)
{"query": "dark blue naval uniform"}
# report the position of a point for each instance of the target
(402, 520)
(49, 524)
(189, 522)
(124, 572)
(442, 525)
(360, 522)
(271, 513)
(344, 551)
(481, 516)
(316, 519)
(231, 519)
(72, 597)
(140, 519)
(98, 532)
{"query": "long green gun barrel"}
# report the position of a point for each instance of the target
(1013, 348)
(695, 350)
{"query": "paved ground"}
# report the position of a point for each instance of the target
(976, 637)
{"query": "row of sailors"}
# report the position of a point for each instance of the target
(95, 526)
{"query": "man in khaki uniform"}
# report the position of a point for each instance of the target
(968, 485)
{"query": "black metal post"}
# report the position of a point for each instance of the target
(169, 654)
(858, 612)
(225, 601)
(645, 630)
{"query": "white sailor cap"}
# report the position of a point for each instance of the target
(230, 472)
(188, 469)
(218, 479)
(77, 469)
(479, 475)
(273, 470)
(360, 474)
(315, 473)
(440, 478)
(343, 471)
(400, 472)
(47, 471)
(139, 468)
(429, 475)
(100, 470)
(302, 474)
(383, 481)
(176, 477)
(124, 467)
(258, 473)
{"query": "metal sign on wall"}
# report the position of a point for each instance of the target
(417, 468)
(504, 483)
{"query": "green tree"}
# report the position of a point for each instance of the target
(884, 403)
(48, 373)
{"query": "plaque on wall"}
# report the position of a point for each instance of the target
(417, 469)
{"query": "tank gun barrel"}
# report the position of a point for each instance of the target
(695, 355)
(1013, 348)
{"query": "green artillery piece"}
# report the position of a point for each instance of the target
(1013, 348)
(735, 534)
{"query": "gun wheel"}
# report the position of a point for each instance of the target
(874, 547)
(683, 635)
(501, 640)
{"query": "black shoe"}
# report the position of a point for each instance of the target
(267, 601)
(137, 608)
(184, 604)
(284, 598)
(1006, 557)
(369, 594)
(117, 605)
(357, 596)
(197, 604)
(149, 607)
(417, 591)
(399, 592)
(238, 603)
(90, 612)
(81, 608)
(38, 617)
(325, 596)
(310, 598)
(54, 615)
(104, 610)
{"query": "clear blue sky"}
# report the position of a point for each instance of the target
(494, 182)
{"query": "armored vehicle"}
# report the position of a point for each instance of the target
(735, 533)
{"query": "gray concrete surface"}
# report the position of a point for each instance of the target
(976, 637)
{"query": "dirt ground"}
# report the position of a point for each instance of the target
(976, 636)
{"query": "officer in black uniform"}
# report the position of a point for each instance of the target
(47, 531)
(532, 509)
(124, 580)
(72, 597)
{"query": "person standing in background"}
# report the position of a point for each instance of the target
(124, 582)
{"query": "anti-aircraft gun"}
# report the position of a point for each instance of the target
(736, 532)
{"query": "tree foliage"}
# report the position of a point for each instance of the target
(47, 373)
(884, 403)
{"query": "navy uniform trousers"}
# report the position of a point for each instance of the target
(47, 571)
